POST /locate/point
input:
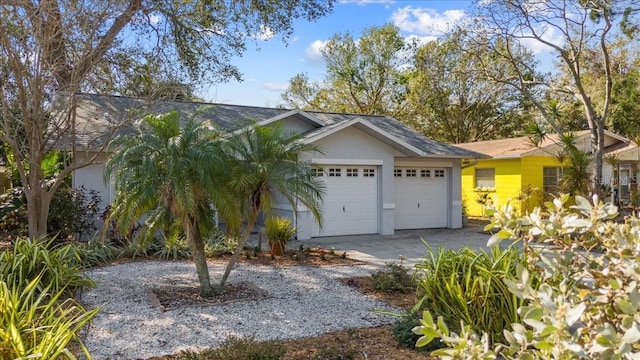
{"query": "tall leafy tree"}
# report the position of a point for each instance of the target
(268, 163)
(572, 31)
(450, 98)
(364, 75)
(168, 174)
(54, 47)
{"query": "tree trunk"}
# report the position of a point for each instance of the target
(196, 247)
(236, 253)
(38, 201)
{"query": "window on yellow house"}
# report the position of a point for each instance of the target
(486, 178)
(551, 178)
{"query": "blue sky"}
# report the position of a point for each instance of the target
(267, 72)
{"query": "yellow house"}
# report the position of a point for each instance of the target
(522, 174)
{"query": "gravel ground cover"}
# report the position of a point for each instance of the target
(296, 302)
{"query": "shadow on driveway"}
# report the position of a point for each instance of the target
(379, 250)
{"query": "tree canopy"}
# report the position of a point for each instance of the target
(364, 75)
(55, 47)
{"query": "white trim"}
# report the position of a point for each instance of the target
(323, 161)
(399, 143)
(292, 113)
(422, 163)
(388, 206)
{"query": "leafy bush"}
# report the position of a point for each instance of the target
(239, 349)
(393, 278)
(218, 244)
(588, 305)
(468, 286)
(403, 332)
(72, 212)
(13, 213)
(278, 229)
(56, 266)
(37, 324)
(96, 252)
(172, 247)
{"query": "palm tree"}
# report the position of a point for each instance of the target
(167, 174)
(267, 163)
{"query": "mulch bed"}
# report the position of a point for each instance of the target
(175, 297)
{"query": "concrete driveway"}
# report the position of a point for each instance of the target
(379, 250)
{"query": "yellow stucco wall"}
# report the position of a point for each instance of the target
(511, 175)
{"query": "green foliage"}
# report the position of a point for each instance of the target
(96, 252)
(468, 286)
(71, 212)
(172, 246)
(37, 323)
(363, 76)
(403, 332)
(279, 229)
(588, 305)
(239, 349)
(218, 244)
(393, 278)
(56, 266)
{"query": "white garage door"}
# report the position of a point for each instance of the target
(421, 198)
(350, 204)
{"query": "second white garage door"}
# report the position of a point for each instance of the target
(350, 204)
(421, 198)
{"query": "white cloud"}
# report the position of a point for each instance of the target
(426, 21)
(275, 86)
(314, 52)
(265, 34)
(154, 19)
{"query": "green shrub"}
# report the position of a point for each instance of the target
(403, 332)
(172, 247)
(393, 278)
(56, 266)
(278, 229)
(218, 244)
(239, 349)
(588, 305)
(72, 212)
(469, 286)
(35, 323)
(97, 252)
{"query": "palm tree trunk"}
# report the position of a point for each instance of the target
(236, 253)
(196, 247)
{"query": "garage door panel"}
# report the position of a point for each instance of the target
(350, 204)
(421, 198)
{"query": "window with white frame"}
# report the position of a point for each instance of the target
(425, 173)
(411, 172)
(335, 172)
(485, 177)
(397, 172)
(317, 171)
(352, 172)
(369, 172)
(439, 173)
(551, 176)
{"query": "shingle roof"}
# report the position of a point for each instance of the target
(523, 146)
(99, 115)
